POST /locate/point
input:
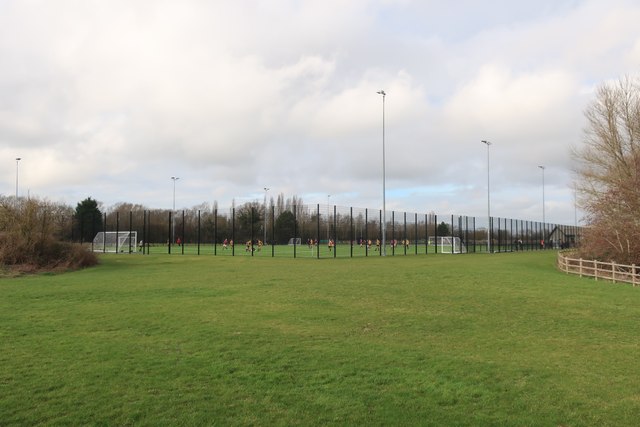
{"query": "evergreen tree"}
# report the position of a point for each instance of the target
(285, 227)
(443, 229)
(88, 219)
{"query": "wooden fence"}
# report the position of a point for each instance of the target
(599, 270)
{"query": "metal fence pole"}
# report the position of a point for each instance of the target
(295, 229)
(351, 230)
(182, 239)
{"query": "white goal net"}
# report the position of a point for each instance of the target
(448, 244)
(295, 241)
(116, 241)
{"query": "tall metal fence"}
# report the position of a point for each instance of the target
(320, 231)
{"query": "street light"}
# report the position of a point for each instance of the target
(488, 199)
(384, 202)
(173, 221)
(266, 189)
(17, 161)
(328, 216)
(543, 213)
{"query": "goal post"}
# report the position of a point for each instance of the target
(295, 241)
(116, 241)
(448, 244)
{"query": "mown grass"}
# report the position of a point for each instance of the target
(499, 339)
(342, 250)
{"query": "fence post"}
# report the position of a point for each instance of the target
(426, 234)
(335, 231)
(633, 274)
(435, 232)
(215, 231)
(104, 229)
(351, 231)
(415, 238)
(580, 267)
(613, 271)
(273, 231)
(170, 234)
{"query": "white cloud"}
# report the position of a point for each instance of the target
(110, 99)
(498, 100)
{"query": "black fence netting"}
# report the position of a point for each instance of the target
(319, 231)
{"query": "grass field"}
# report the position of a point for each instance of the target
(500, 339)
(342, 250)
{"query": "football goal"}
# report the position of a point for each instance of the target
(116, 241)
(448, 244)
(295, 241)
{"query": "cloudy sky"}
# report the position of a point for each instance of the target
(109, 99)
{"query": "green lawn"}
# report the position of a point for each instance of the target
(500, 339)
(342, 250)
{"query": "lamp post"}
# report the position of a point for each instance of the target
(17, 162)
(266, 189)
(173, 218)
(384, 202)
(543, 213)
(328, 216)
(488, 199)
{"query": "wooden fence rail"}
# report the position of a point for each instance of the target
(599, 270)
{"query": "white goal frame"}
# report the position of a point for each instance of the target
(116, 241)
(295, 241)
(448, 244)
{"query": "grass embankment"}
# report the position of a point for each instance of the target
(437, 340)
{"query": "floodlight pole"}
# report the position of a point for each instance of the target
(488, 199)
(328, 217)
(543, 210)
(384, 202)
(266, 189)
(173, 217)
(17, 162)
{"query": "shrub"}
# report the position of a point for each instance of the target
(30, 231)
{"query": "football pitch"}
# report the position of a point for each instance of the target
(476, 339)
(340, 250)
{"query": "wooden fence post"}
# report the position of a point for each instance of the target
(613, 271)
(580, 268)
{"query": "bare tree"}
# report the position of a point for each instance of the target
(30, 236)
(608, 172)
